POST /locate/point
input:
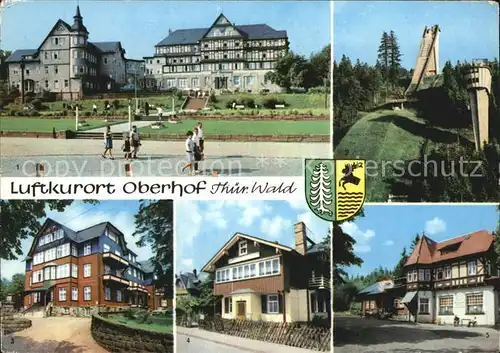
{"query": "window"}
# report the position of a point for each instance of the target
(62, 294)
(74, 250)
(87, 270)
(246, 271)
(272, 304)
(107, 293)
(427, 274)
(276, 265)
(118, 295)
(63, 271)
(56, 70)
(27, 72)
(261, 269)
(47, 84)
(423, 307)
(53, 272)
(446, 305)
(106, 248)
(447, 272)
(118, 253)
(37, 276)
(105, 61)
(63, 250)
(439, 274)
(268, 268)
(412, 276)
(471, 268)
(55, 41)
(421, 275)
(74, 270)
(87, 249)
(253, 272)
(236, 80)
(228, 305)
(38, 258)
(46, 56)
(135, 272)
(36, 297)
(56, 84)
(56, 55)
(46, 273)
(474, 303)
(87, 293)
(242, 246)
(74, 293)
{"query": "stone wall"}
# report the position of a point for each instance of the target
(118, 338)
(12, 324)
(85, 311)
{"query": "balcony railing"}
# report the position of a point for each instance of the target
(319, 282)
(115, 257)
(110, 275)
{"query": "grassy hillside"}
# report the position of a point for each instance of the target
(387, 139)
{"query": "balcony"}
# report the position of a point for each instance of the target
(115, 259)
(114, 276)
(135, 287)
(319, 282)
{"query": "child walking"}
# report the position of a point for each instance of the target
(126, 147)
(190, 149)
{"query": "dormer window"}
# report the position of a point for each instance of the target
(471, 268)
(242, 246)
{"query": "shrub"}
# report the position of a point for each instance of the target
(270, 103)
(34, 113)
(20, 113)
(87, 114)
(106, 102)
(248, 102)
(116, 104)
(212, 98)
(37, 104)
(13, 112)
(64, 113)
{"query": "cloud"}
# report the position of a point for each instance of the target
(187, 262)
(362, 237)
(389, 243)
(275, 227)
(435, 226)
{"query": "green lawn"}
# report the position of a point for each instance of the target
(285, 111)
(247, 127)
(46, 125)
(159, 323)
(292, 100)
(388, 138)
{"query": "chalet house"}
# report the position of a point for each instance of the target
(187, 283)
(384, 297)
(79, 272)
(456, 277)
(264, 280)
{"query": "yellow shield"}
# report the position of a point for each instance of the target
(350, 187)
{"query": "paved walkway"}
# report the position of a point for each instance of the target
(356, 335)
(120, 128)
(53, 335)
(211, 342)
(72, 158)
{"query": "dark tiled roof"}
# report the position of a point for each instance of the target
(17, 54)
(91, 232)
(317, 248)
(192, 36)
(428, 251)
(189, 280)
(147, 266)
(108, 47)
(183, 36)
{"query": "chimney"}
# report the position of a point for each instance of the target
(169, 31)
(300, 238)
(195, 273)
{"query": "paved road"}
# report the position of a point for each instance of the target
(65, 158)
(201, 341)
(53, 334)
(357, 335)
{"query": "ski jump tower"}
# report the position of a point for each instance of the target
(478, 81)
(427, 59)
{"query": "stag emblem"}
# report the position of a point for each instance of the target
(349, 177)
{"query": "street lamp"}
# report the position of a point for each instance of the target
(22, 79)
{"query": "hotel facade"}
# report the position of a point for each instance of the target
(82, 272)
(223, 57)
(68, 65)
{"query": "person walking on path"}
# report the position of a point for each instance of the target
(146, 108)
(160, 113)
(108, 142)
(190, 148)
(200, 137)
(135, 140)
(197, 152)
(126, 147)
(94, 108)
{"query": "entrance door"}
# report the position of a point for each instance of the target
(217, 83)
(242, 309)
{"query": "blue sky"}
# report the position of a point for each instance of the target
(81, 215)
(203, 227)
(385, 230)
(469, 30)
(139, 25)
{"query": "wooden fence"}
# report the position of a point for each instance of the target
(301, 335)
